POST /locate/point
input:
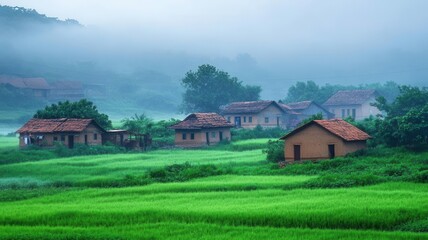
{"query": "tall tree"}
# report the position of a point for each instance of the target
(80, 109)
(406, 121)
(208, 88)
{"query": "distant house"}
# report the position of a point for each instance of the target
(305, 109)
(323, 139)
(34, 87)
(353, 103)
(66, 90)
(201, 129)
(68, 131)
(251, 114)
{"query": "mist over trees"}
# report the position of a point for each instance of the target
(209, 88)
(310, 91)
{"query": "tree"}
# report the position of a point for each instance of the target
(80, 109)
(209, 88)
(317, 116)
(406, 121)
(138, 124)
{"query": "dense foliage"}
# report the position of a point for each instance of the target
(80, 109)
(406, 120)
(304, 91)
(275, 151)
(209, 88)
(257, 132)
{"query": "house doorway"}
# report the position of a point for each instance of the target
(277, 121)
(296, 152)
(238, 122)
(331, 151)
(220, 134)
(207, 134)
(70, 141)
(86, 139)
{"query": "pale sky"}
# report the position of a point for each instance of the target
(305, 37)
(257, 26)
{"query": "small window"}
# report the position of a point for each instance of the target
(343, 113)
(62, 138)
(228, 119)
(266, 120)
(95, 136)
(55, 138)
(212, 134)
(245, 119)
(184, 136)
(250, 119)
(192, 136)
(354, 113)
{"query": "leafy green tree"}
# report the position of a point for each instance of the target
(406, 121)
(138, 124)
(80, 109)
(317, 116)
(209, 88)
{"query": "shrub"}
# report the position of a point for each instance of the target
(275, 151)
(341, 180)
(257, 132)
(183, 172)
(422, 177)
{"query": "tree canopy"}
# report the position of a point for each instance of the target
(406, 121)
(209, 88)
(80, 109)
(310, 91)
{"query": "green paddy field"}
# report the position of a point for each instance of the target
(380, 196)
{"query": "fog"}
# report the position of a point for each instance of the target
(268, 43)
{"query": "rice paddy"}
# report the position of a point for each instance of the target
(237, 205)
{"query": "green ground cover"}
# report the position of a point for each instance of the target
(250, 199)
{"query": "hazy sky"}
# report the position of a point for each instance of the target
(299, 39)
(262, 26)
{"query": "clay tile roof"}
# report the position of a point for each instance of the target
(247, 107)
(56, 125)
(202, 120)
(287, 109)
(31, 83)
(350, 97)
(299, 105)
(338, 127)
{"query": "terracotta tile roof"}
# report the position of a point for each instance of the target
(30, 83)
(350, 97)
(287, 109)
(202, 120)
(247, 107)
(299, 105)
(56, 125)
(338, 127)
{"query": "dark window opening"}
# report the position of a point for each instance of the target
(184, 136)
(266, 120)
(250, 119)
(62, 138)
(192, 136)
(55, 138)
(245, 119)
(296, 152)
(95, 136)
(354, 113)
(331, 151)
(86, 139)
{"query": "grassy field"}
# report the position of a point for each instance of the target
(250, 199)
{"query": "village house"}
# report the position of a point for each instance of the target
(251, 114)
(68, 131)
(303, 110)
(202, 129)
(34, 87)
(323, 139)
(353, 103)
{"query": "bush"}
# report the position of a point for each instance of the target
(257, 132)
(422, 177)
(82, 149)
(183, 172)
(342, 181)
(275, 151)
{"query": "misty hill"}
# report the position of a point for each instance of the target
(18, 19)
